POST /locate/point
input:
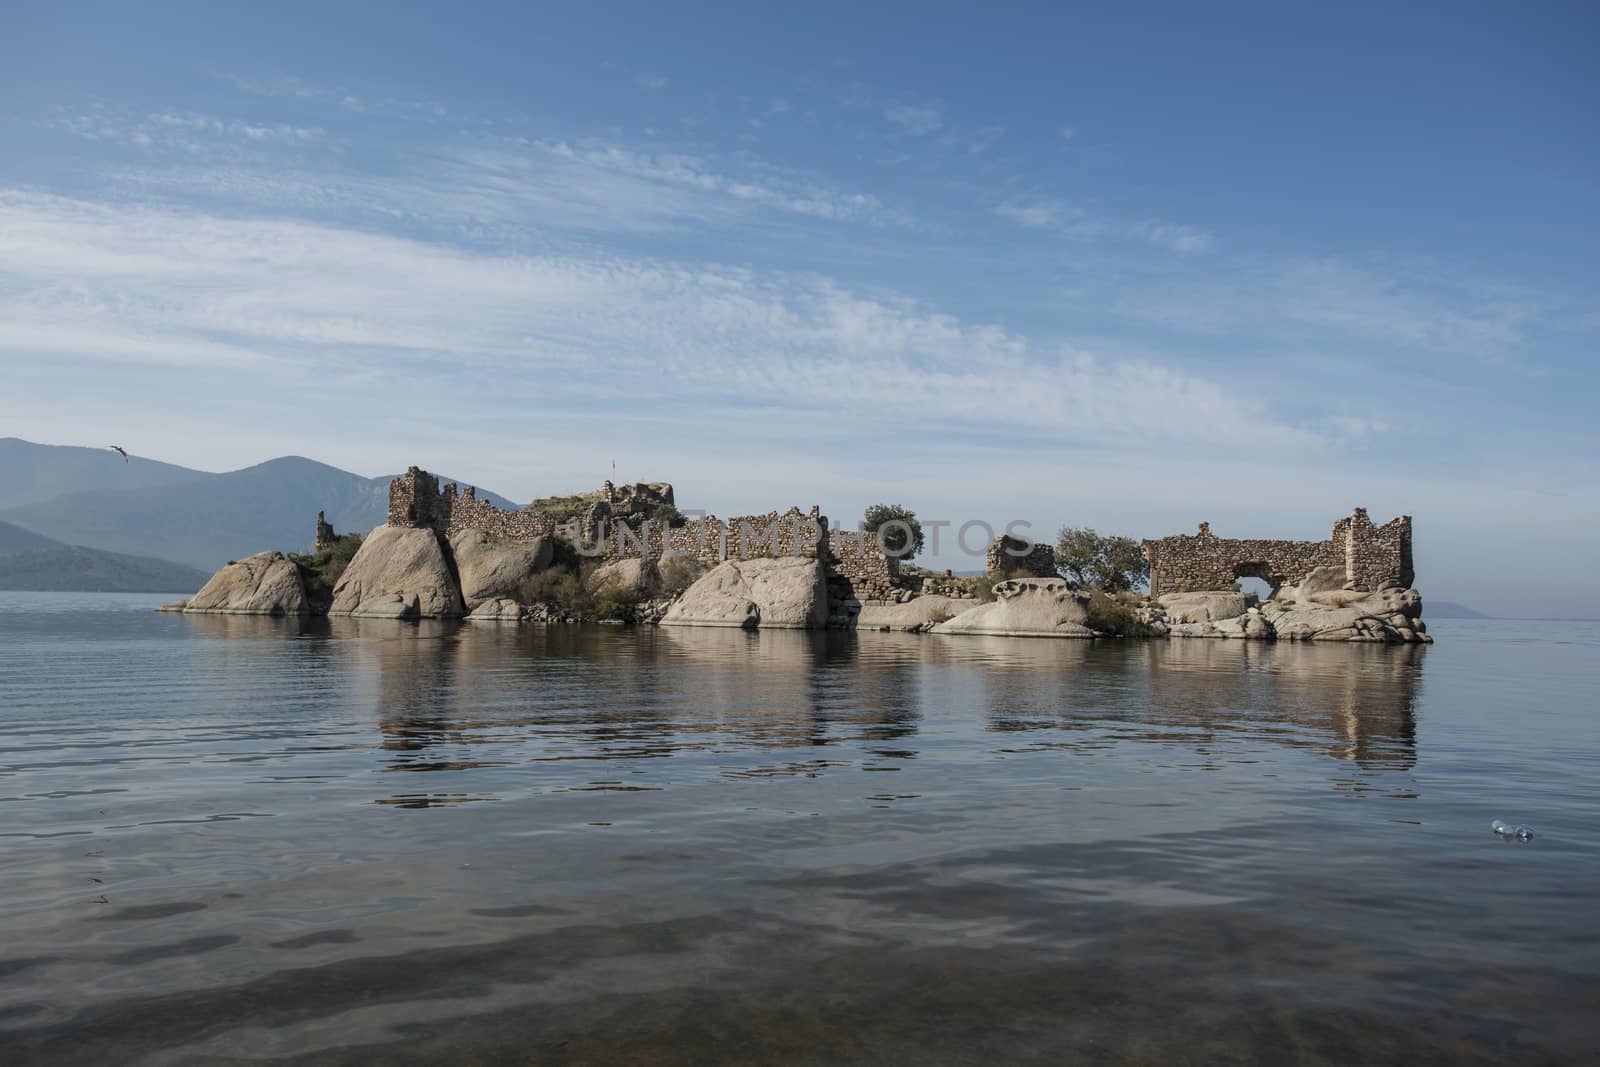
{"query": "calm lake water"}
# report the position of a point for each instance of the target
(231, 839)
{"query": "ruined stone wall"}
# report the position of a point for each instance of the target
(711, 540)
(1372, 557)
(856, 558)
(325, 538)
(1004, 561)
(612, 526)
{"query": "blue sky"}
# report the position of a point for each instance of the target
(1130, 269)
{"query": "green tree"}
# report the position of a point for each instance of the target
(903, 539)
(1100, 561)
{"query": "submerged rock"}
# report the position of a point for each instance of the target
(788, 593)
(399, 573)
(1026, 607)
(498, 609)
(267, 583)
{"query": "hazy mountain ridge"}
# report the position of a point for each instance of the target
(196, 518)
(16, 539)
(29, 561)
(73, 569)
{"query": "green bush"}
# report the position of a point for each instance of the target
(562, 508)
(895, 541)
(612, 601)
(1100, 561)
(564, 591)
(321, 571)
(1114, 614)
(679, 573)
(667, 515)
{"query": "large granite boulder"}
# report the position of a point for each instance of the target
(267, 583)
(490, 571)
(1026, 607)
(788, 593)
(1391, 616)
(637, 577)
(1202, 607)
(398, 573)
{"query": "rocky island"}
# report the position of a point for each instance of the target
(626, 554)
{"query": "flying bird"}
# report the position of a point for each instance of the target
(119, 450)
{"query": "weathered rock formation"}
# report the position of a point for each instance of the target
(267, 583)
(1026, 607)
(399, 573)
(1203, 607)
(636, 577)
(1320, 608)
(914, 615)
(788, 593)
(1391, 616)
(490, 570)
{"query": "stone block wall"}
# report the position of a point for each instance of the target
(1372, 557)
(1011, 556)
(416, 499)
(856, 558)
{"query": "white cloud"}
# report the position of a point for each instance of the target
(91, 282)
(186, 130)
(1170, 235)
(1314, 299)
(1048, 214)
(651, 82)
(1038, 214)
(918, 121)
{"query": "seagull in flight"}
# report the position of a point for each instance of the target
(119, 450)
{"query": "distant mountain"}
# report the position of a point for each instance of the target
(1444, 609)
(30, 473)
(16, 539)
(31, 562)
(195, 518)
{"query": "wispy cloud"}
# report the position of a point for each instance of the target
(1077, 223)
(88, 281)
(651, 82)
(916, 120)
(181, 129)
(1038, 214)
(1306, 300)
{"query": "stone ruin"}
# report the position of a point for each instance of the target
(616, 524)
(1012, 557)
(1372, 558)
(325, 536)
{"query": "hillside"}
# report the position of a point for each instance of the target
(197, 518)
(16, 539)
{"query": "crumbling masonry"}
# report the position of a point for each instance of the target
(1372, 557)
(615, 525)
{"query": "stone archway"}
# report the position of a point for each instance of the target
(1248, 573)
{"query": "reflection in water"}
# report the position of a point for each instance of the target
(367, 841)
